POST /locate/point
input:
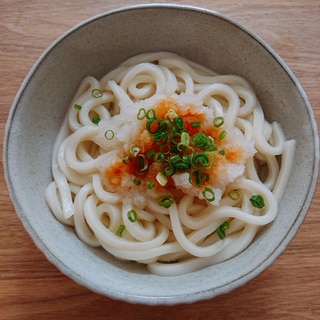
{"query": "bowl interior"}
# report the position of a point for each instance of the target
(94, 48)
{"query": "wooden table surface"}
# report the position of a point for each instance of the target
(32, 288)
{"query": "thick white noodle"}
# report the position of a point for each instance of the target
(182, 238)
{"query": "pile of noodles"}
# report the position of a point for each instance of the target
(110, 206)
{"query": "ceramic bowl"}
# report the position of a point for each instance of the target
(98, 45)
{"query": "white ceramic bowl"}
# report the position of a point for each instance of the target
(97, 46)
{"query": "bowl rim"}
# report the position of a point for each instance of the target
(182, 298)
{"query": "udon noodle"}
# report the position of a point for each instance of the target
(168, 164)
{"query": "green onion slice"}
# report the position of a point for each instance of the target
(182, 166)
(222, 134)
(151, 114)
(160, 138)
(141, 114)
(221, 230)
(234, 195)
(174, 159)
(199, 139)
(167, 168)
(165, 149)
(203, 161)
(185, 138)
(153, 125)
(200, 160)
(150, 154)
(161, 178)
(77, 106)
(166, 126)
(142, 164)
(158, 157)
(165, 201)
(205, 177)
(109, 134)
(150, 185)
(96, 93)
(176, 138)
(132, 215)
(127, 160)
(120, 230)
(195, 178)
(208, 194)
(136, 181)
(195, 124)
(257, 201)
(134, 151)
(178, 123)
(96, 119)
(218, 122)
(171, 114)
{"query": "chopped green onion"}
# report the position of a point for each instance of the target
(205, 177)
(171, 114)
(218, 122)
(132, 215)
(188, 151)
(161, 178)
(158, 157)
(136, 181)
(208, 194)
(77, 106)
(167, 168)
(134, 151)
(182, 166)
(166, 125)
(195, 178)
(160, 138)
(185, 138)
(150, 114)
(211, 145)
(195, 124)
(222, 152)
(204, 161)
(234, 195)
(222, 134)
(178, 123)
(120, 230)
(176, 138)
(141, 114)
(200, 160)
(153, 125)
(109, 134)
(96, 93)
(96, 119)
(181, 147)
(165, 201)
(257, 201)
(199, 139)
(127, 160)
(150, 154)
(174, 159)
(143, 164)
(221, 230)
(165, 148)
(204, 142)
(150, 185)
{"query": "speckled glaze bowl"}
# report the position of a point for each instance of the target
(95, 47)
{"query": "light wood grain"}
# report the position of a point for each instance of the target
(32, 288)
